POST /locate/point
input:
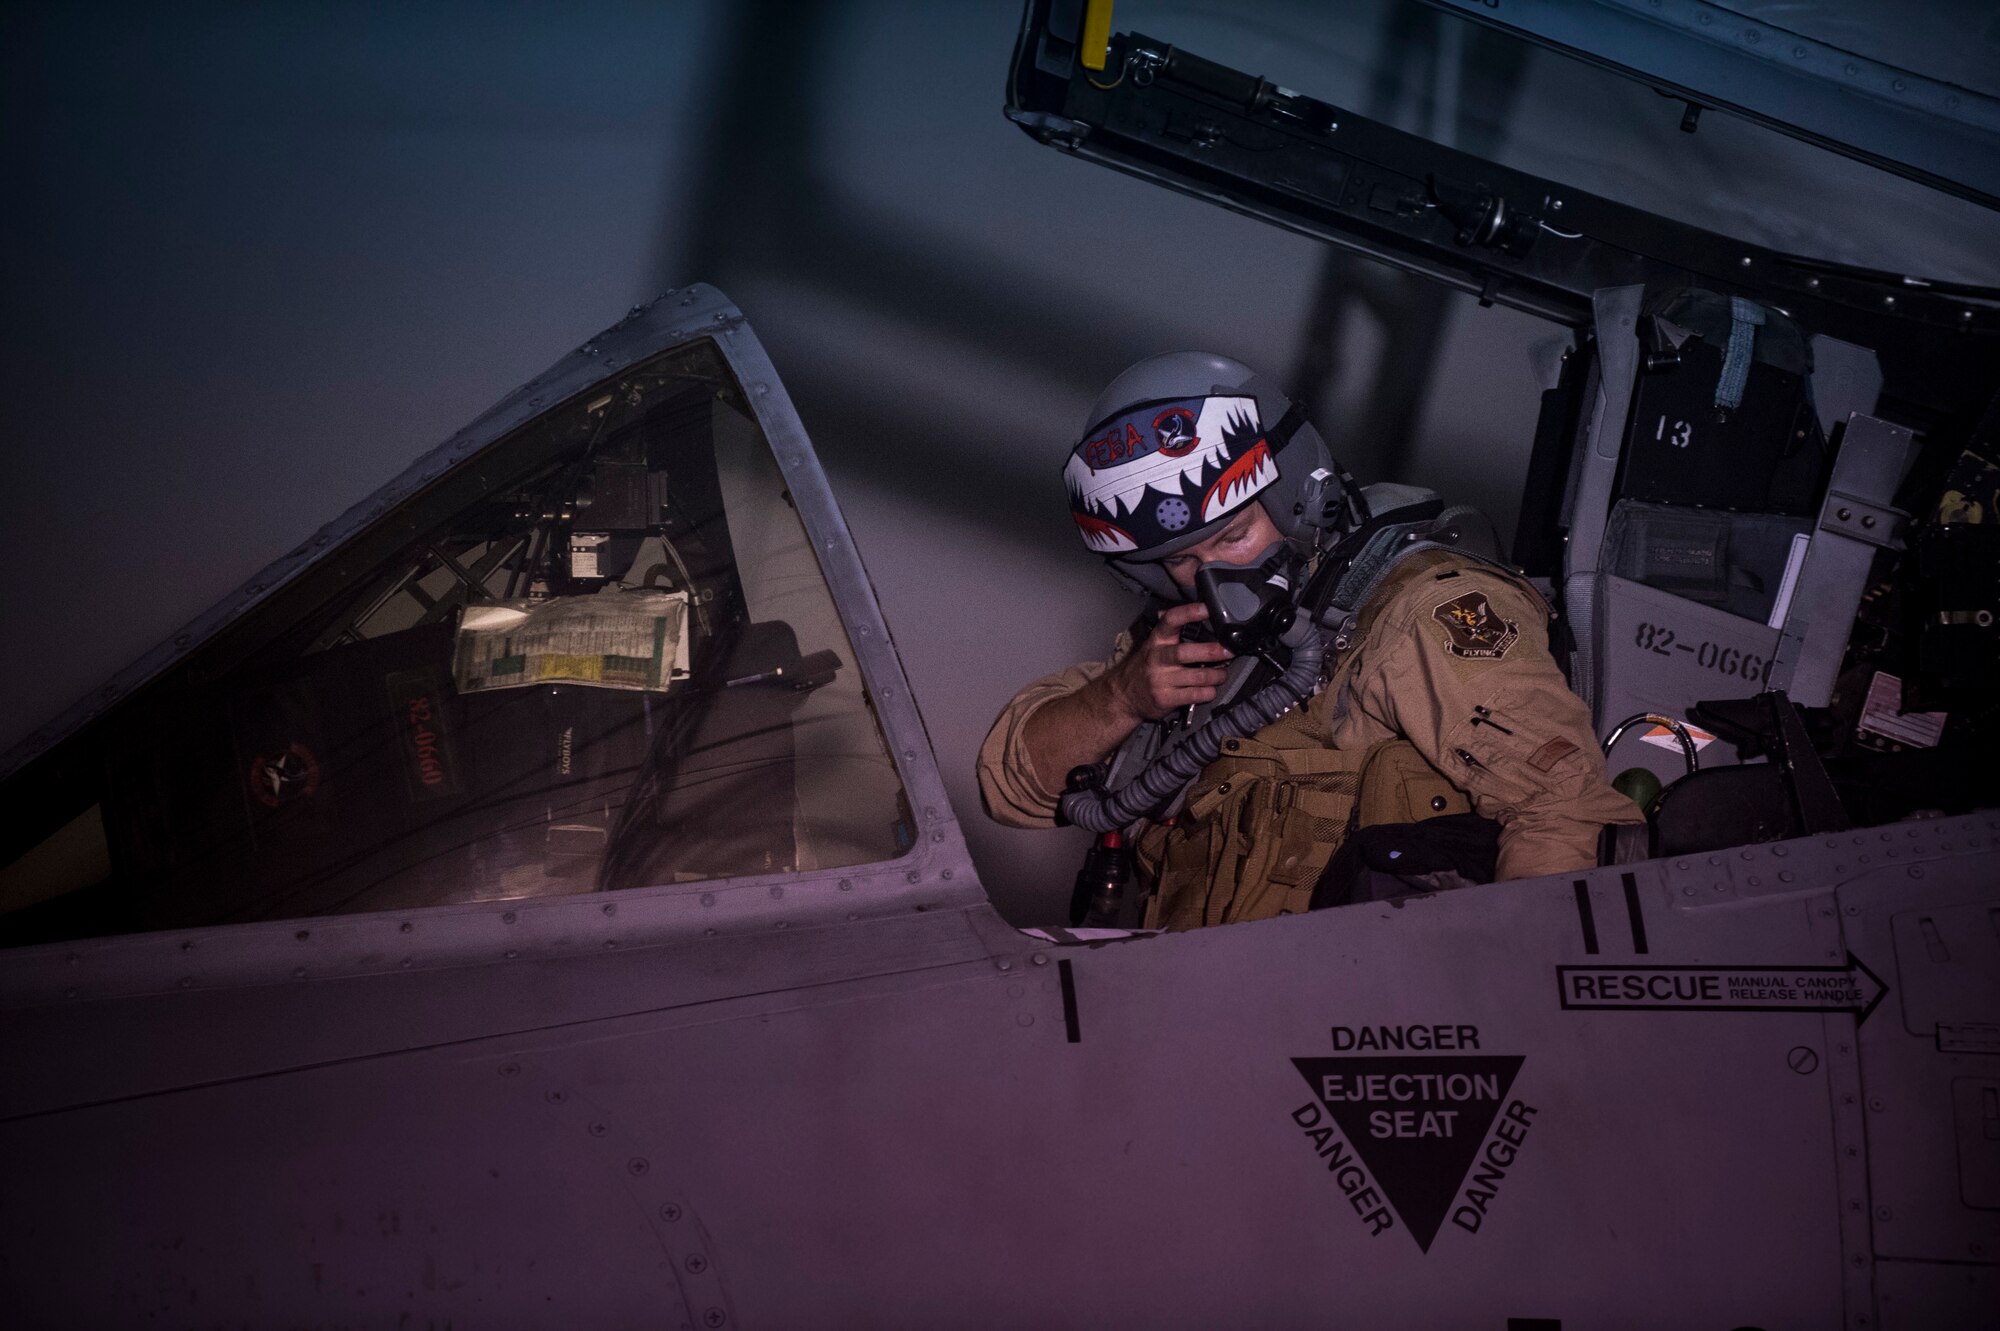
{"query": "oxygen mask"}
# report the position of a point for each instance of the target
(1252, 606)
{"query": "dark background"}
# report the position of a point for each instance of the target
(257, 258)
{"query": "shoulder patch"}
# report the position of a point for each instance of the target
(1472, 630)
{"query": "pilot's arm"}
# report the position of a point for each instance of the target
(1011, 783)
(1458, 663)
(1082, 714)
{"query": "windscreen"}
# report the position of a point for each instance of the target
(612, 662)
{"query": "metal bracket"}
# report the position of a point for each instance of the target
(1863, 520)
(1835, 573)
(1056, 131)
(1595, 466)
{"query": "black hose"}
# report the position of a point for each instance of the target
(1169, 774)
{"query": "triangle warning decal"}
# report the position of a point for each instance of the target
(1415, 1122)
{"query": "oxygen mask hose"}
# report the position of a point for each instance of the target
(1097, 810)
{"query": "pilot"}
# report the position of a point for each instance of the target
(1437, 696)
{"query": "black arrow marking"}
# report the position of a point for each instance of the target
(1745, 988)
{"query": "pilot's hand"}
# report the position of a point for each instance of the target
(1163, 673)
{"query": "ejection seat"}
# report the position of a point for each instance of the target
(1707, 494)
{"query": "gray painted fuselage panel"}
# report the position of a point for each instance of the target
(926, 1145)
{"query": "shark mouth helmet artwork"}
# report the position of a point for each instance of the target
(1158, 472)
(1182, 441)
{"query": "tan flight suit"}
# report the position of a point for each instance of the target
(1449, 655)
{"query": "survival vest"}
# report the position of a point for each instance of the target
(1263, 820)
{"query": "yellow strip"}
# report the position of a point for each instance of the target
(559, 665)
(1096, 33)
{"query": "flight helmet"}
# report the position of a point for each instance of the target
(1178, 444)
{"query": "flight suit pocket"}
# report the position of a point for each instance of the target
(1312, 818)
(1243, 894)
(1257, 831)
(1216, 858)
(1399, 786)
(1201, 857)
